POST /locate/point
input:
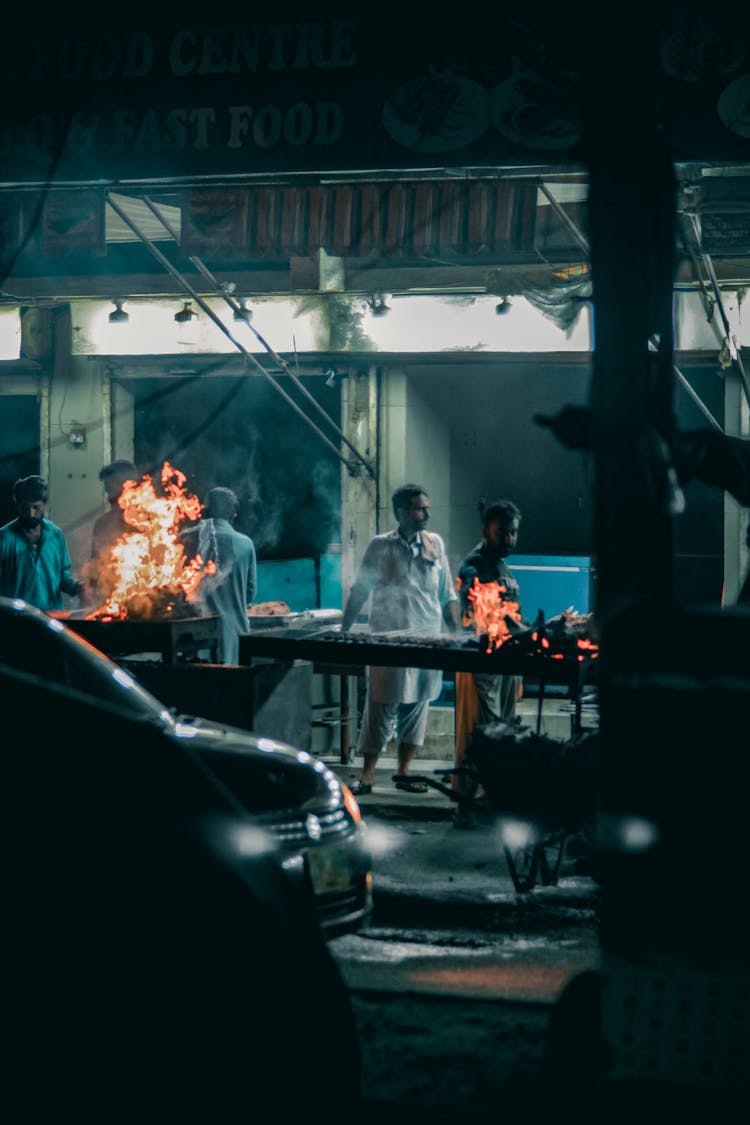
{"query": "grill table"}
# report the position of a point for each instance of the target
(347, 654)
(177, 639)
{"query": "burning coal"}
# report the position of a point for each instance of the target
(490, 609)
(497, 621)
(147, 574)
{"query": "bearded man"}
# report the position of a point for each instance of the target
(34, 560)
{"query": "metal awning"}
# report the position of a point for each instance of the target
(353, 465)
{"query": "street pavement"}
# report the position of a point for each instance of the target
(461, 1005)
(428, 872)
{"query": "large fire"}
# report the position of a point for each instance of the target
(492, 613)
(147, 573)
(490, 606)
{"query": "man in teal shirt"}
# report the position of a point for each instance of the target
(34, 559)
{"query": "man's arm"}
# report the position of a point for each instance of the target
(572, 426)
(466, 576)
(452, 614)
(362, 587)
(703, 454)
(716, 459)
(355, 601)
(252, 576)
(74, 587)
(450, 605)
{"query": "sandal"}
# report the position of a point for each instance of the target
(411, 786)
(360, 788)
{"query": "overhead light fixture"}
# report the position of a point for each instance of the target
(243, 312)
(503, 307)
(118, 314)
(376, 304)
(185, 314)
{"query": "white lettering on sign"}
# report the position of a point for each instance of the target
(128, 55)
(108, 55)
(178, 129)
(319, 124)
(33, 141)
(153, 131)
(302, 46)
(82, 132)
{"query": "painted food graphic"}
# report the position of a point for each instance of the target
(437, 112)
(534, 112)
(733, 106)
(690, 52)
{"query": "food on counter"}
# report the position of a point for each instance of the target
(268, 609)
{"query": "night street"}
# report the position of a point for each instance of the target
(453, 981)
(375, 564)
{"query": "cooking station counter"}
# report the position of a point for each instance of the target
(176, 639)
(347, 654)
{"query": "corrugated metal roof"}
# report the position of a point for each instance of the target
(117, 230)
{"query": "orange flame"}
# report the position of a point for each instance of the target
(490, 605)
(148, 568)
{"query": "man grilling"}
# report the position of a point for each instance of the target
(108, 528)
(406, 571)
(111, 524)
(230, 591)
(484, 697)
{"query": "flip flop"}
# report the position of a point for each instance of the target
(360, 788)
(412, 786)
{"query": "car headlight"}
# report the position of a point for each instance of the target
(350, 804)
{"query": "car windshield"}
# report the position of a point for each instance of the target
(44, 647)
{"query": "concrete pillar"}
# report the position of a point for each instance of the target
(415, 446)
(359, 492)
(78, 441)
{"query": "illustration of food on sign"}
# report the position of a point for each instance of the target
(438, 112)
(733, 106)
(692, 48)
(535, 112)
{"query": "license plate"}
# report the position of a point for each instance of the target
(329, 870)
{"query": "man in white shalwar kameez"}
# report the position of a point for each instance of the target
(413, 594)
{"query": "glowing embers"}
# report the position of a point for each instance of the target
(147, 573)
(497, 621)
(491, 608)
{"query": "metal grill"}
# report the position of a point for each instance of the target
(356, 650)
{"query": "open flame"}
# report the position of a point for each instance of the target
(490, 610)
(147, 573)
(490, 605)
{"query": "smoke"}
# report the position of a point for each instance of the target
(286, 480)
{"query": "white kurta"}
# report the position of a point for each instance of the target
(411, 588)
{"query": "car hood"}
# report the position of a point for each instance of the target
(264, 774)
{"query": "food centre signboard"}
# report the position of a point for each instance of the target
(356, 93)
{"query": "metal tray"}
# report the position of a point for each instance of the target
(316, 617)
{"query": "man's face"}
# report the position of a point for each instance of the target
(113, 487)
(501, 535)
(31, 512)
(414, 517)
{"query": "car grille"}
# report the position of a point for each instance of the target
(337, 903)
(294, 830)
